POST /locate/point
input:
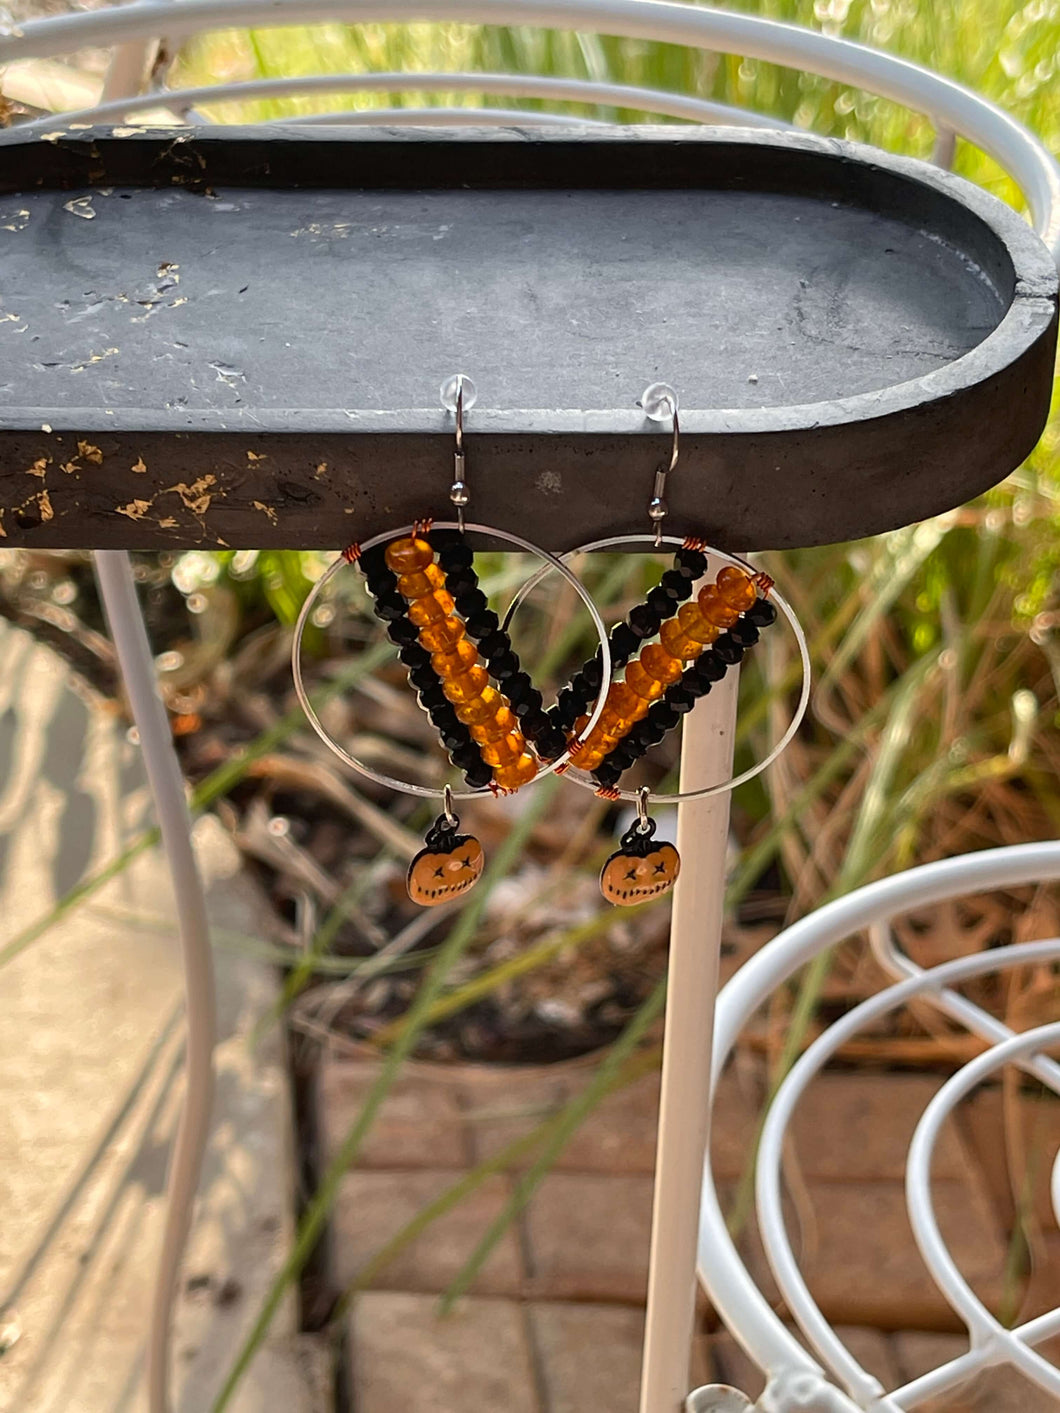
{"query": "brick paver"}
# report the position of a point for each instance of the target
(420, 1124)
(403, 1356)
(863, 1265)
(573, 1268)
(588, 1237)
(589, 1356)
(373, 1206)
(857, 1127)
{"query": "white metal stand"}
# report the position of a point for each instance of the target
(118, 589)
(684, 1111)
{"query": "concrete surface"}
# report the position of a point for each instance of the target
(90, 1087)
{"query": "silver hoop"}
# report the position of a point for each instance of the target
(635, 796)
(447, 793)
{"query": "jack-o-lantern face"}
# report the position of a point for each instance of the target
(631, 877)
(445, 871)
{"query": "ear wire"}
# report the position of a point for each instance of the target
(660, 403)
(456, 393)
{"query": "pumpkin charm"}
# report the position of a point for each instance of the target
(640, 869)
(447, 866)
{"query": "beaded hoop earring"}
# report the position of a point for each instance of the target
(673, 648)
(424, 588)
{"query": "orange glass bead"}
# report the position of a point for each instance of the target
(495, 727)
(714, 608)
(736, 588)
(430, 608)
(442, 634)
(506, 751)
(406, 555)
(589, 760)
(468, 685)
(647, 687)
(663, 666)
(484, 707)
(451, 662)
(677, 642)
(423, 581)
(621, 699)
(521, 772)
(608, 719)
(695, 625)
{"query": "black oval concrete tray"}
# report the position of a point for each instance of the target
(236, 337)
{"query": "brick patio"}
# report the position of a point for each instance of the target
(553, 1323)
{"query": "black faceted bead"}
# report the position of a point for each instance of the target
(569, 706)
(690, 562)
(434, 697)
(481, 625)
(456, 556)
(744, 633)
(461, 582)
(694, 685)
(664, 715)
(471, 604)
(443, 715)
(660, 602)
(518, 688)
(442, 539)
(412, 655)
(727, 649)
(647, 732)
(709, 666)
(644, 621)
(494, 643)
(454, 738)
(680, 698)
(534, 723)
(591, 675)
(624, 643)
(761, 613)
(382, 582)
(372, 562)
(503, 666)
(466, 755)
(479, 775)
(607, 774)
(403, 632)
(551, 743)
(389, 607)
(625, 754)
(423, 678)
(676, 584)
(523, 696)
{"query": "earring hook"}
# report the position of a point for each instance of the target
(457, 393)
(659, 403)
(643, 818)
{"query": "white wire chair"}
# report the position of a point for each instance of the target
(134, 33)
(835, 1380)
(142, 38)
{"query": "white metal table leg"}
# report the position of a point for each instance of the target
(118, 589)
(684, 1107)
